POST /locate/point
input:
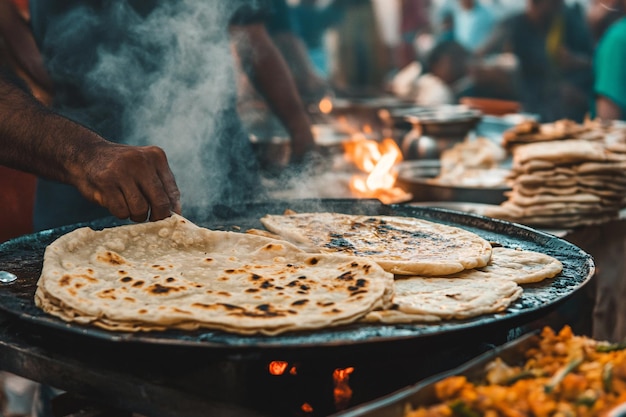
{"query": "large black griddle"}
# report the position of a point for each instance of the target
(24, 257)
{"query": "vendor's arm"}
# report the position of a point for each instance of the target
(271, 76)
(21, 45)
(128, 181)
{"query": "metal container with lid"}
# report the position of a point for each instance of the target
(427, 131)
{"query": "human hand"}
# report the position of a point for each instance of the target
(131, 182)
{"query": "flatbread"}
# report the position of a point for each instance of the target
(486, 290)
(401, 245)
(469, 294)
(522, 266)
(174, 274)
(563, 152)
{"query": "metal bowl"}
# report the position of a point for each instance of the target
(415, 177)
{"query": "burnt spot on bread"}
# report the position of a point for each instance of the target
(223, 293)
(108, 293)
(159, 289)
(126, 279)
(252, 290)
(346, 276)
(304, 287)
(361, 283)
(142, 311)
(255, 277)
(111, 258)
(65, 280)
(293, 284)
(178, 310)
(339, 243)
(170, 279)
(358, 292)
(266, 284)
(78, 285)
(208, 259)
(325, 304)
(300, 302)
(138, 284)
(263, 311)
(279, 288)
(129, 299)
(159, 267)
(312, 261)
(223, 279)
(229, 271)
(302, 277)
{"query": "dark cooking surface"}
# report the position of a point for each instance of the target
(23, 256)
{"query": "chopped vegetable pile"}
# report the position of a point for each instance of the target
(564, 375)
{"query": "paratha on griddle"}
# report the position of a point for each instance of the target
(401, 245)
(470, 293)
(174, 274)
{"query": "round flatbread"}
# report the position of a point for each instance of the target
(174, 274)
(522, 266)
(426, 299)
(401, 245)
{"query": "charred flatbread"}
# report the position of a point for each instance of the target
(401, 245)
(174, 274)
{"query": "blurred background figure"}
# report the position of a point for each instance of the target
(601, 14)
(358, 53)
(554, 47)
(311, 21)
(472, 22)
(441, 80)
(610, 67)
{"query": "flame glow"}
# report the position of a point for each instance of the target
(326, 105)
(342, 392)
(306, 407)
(277, 367)
(377, 160)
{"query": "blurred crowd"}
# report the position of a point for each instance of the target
(550, 56)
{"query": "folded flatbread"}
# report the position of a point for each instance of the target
(174, 274)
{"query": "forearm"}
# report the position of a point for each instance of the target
(272, 78)
(30, 137)
(606, 109)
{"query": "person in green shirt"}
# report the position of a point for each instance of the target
(610, 73)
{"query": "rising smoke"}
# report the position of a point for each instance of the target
(162, 76)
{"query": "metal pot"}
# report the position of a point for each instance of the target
(426, 132)
(416, 177)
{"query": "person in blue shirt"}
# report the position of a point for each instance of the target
(610, 73)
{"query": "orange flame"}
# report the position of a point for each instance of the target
(326, 105)
(306, 407)
(342, 391)
(377, 160)
(277, 367)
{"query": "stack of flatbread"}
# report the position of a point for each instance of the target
(174, 274)
(442, 272)
(531, 131)
(566, 183)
